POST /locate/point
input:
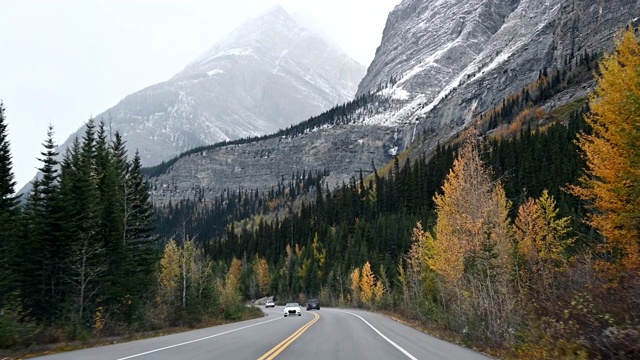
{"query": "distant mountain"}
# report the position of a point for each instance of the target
(269, 73)
(440, 65)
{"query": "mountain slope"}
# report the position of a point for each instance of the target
(266, 75)
(440, 65)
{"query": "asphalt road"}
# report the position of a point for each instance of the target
(325, 334)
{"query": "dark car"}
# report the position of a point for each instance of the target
(313, 304)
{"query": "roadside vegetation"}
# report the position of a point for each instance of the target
(79, 259)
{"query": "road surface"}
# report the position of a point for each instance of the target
(325, 334)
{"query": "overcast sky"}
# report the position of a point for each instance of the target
(64, 61)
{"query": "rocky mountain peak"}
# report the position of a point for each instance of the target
(266, 75)
(426, 43)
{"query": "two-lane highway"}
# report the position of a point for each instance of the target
(326, 334)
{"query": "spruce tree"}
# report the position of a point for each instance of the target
(8, 200)
(79, 188)
(139, 239)
(8, 208)
(110, 228)
(43, 248)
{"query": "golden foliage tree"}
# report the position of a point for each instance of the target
(611, 183)
(418, 281)
(367, 284)
(319, 253)
(230, 297)
(472, 215)
(168, 279)
(355, 284)
(542, 240)
(263, 274)
(472, 245)
(235, 269)
(184, 276)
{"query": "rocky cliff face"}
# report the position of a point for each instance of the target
(266, 75)
(440, 63)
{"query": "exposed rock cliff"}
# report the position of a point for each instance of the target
(440, 64)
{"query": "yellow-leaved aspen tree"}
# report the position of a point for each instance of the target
(611, 183)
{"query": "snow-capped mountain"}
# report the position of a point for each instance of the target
(440, 64)
(451, 60)
(266, 75)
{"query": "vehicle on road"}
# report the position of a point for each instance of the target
(292, 309)
(269, 304)
(313, 304)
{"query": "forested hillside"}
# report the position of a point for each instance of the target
(490, 238)
(80, 258)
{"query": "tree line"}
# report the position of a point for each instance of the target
(79, 256)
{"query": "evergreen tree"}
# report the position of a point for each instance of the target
(115, 278)
(8, 200)
(80, 191)
(43, 247)
(139, 239)
(8, 209)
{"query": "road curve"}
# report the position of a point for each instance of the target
(335, 334)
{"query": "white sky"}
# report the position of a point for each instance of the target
(64, 61)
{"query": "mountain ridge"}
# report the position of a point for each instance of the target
(266, 75)
(528, 37)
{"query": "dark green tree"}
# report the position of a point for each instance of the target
(43, 248)
(109, 180)
(139, 239)
(8, 209)
(81, 200)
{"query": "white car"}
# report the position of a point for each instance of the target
(292, 309)
(269, 304)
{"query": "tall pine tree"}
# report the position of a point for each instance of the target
(8, 208)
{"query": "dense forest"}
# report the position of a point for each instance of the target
(520, 235)
(80, 257)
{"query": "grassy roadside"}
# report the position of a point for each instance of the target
(442, 334)
(48, 349)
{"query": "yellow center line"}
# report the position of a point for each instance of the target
(286, 342)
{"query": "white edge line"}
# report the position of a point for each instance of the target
(402, 350)
(196, 340)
